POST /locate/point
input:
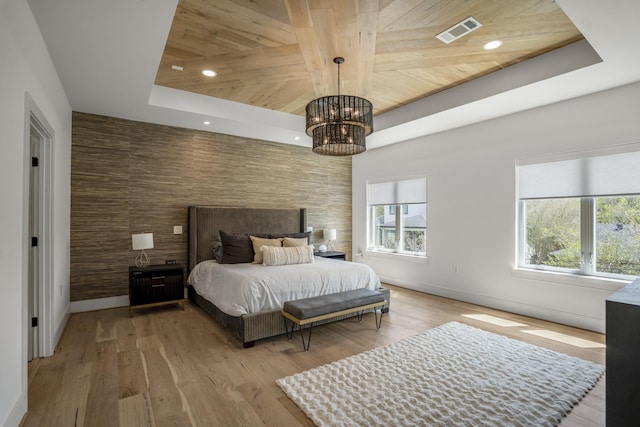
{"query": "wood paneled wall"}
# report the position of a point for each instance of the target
(129, 177)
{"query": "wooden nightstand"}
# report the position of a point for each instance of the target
(332, 254)
(156, 285)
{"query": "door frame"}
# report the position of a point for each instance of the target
(45, 286)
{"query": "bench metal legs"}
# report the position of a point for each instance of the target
(306, 344)
(378, 322)
(290, 333)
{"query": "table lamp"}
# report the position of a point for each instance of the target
(330, 235)
(140, 242)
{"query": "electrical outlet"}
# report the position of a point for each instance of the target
(177, 229)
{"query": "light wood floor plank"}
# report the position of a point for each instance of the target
(44, 389)
(71, 402)
(167, 402)
(102, 397)
(126, 334)
(135, 411)
(132, 378)
(165, 366)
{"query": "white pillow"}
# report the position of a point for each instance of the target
(272, 255)
(292, 241)
(258, 243)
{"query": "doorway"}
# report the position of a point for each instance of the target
(40, 293)
(36, 139)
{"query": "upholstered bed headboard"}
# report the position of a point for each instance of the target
(206, 221)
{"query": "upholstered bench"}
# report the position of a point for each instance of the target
(307, 311)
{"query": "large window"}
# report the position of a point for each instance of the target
(398, 217)
(610, 245)
(581, 216)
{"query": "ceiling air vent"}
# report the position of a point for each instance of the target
(460, 29)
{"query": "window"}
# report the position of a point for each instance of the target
(617, 235)
(390, 232)
(581, 216)
(552, 232)
(392, 209)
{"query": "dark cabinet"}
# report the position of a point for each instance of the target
(332, 254)
(156, 285)
(623, 361)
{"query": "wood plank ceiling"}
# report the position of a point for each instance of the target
(278, 54)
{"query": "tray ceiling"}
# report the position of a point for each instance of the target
(278, 54)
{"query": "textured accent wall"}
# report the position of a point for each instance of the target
(130, 177)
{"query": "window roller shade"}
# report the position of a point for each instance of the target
(610, 175)
(399, 192)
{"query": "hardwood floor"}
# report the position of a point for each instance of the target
(166, 366)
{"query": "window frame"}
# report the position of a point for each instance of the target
(399, 231)
(588, 257)
(403, 208)
(605, 171)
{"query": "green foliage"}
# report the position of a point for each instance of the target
(553, 233)
(618, 210)
(414, 241)
(618, 239)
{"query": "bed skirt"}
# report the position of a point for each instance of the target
(249, 328)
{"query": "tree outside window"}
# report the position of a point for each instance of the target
(591, 235)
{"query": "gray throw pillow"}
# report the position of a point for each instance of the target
(236, 248)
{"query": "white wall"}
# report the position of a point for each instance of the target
(27, 68)
(471, 205)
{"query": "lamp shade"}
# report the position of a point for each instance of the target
(339, 124)
(142, 241)
(330, 234)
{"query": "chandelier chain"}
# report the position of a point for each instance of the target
(338, 78)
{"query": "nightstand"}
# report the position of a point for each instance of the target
(156, 285)
(332, 254)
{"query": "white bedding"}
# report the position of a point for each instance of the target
(238, 289)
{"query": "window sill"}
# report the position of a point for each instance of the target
(593, 282)
(395, 256)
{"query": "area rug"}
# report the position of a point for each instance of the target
(452, 375)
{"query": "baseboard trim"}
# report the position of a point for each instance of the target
(99, 304)
(60, 327)
(104, 303)
(18, 411)
(562, 317)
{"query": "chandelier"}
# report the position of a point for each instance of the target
(339, 124)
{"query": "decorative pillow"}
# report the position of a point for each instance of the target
(216, 245)
(289, 242)
(306, 235)
(284, 256)
(236, 248)
(258, 243)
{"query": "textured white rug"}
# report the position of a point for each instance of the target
(452, 375)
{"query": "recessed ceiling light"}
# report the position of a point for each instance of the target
(206, 122)
(297, 138)
(493, 44)
(209, 73)
(177, 67)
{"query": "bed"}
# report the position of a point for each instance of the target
(251, 321)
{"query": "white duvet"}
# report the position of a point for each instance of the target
(238, 289)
